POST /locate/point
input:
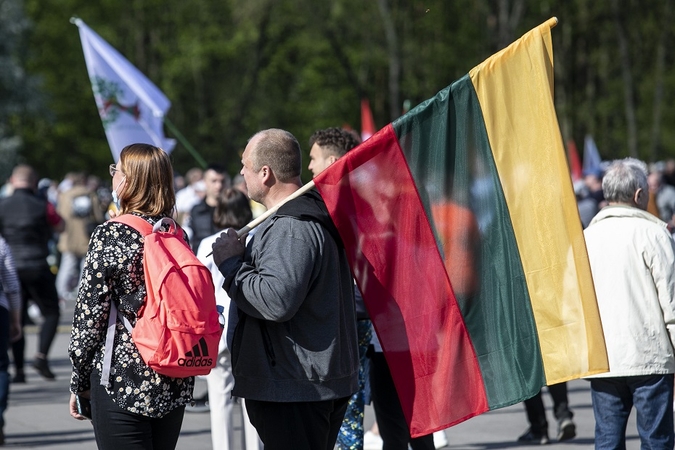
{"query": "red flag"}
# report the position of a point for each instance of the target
(573, 159)
(367, 122)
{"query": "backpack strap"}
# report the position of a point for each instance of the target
(110, 339)
(137, 223)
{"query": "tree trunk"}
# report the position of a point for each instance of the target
(628, 88)
(394, 60)
(659, 68)
(509, 14)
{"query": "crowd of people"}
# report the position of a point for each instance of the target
(299, 347)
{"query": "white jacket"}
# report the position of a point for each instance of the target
(632, 258)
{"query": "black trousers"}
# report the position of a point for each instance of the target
(117, 429)
(297, 425)
(388, 411)
(536, 414)
(39, 285)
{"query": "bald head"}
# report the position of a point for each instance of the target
(280, 151)
(23, 177)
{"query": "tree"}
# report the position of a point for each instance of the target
(15, 84)
(231, 68)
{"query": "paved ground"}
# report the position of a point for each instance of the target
(38, 418)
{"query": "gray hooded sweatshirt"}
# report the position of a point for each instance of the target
(296, 337)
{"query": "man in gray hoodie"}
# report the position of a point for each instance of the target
(294, 353)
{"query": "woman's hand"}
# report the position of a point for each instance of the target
(73, 405)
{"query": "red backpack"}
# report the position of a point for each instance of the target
(177, 329)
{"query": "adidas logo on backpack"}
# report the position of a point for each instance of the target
(198, 357)
(177, 330)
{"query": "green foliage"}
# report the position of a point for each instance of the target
(233, 67)
(16, 86)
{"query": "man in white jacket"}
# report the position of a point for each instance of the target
(632, 258)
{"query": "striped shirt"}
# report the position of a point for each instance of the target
(10, 289)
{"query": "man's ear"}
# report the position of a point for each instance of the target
(637, 196)
(641, 198)
(266, 175)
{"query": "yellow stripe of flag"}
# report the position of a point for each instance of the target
(523, 133)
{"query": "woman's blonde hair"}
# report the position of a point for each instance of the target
(148, 186)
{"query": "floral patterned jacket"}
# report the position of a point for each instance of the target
(113, 271)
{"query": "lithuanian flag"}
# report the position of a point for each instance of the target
(462, 229)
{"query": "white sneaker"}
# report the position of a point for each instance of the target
(440, 439)
(372, 441)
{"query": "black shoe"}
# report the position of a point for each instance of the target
(566, 430)
(20, 377)
(40, 364)
(533, 438)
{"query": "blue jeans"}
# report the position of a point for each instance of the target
(613, 399)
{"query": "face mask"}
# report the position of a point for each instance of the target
(115, 196)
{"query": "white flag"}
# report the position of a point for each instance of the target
(131, 107)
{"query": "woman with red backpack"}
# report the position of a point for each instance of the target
(134, 407)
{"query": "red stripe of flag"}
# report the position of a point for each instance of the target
(371, 196)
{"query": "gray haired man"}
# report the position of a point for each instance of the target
(632, 258)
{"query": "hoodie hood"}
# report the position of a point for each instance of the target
(311, 207)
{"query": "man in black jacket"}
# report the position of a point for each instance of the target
(201, 216)
(27, 222)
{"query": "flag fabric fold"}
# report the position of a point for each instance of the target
(461, 226)
(131, 107)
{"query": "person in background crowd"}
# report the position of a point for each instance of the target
(587, 205)
(295, 349)
(10, 323)
(536, 416)
(80, 209)
(593, 182)
(663, 196)
(201, 216)
(49, 190)
(27, 222)
(102, 192)
(178, 181)
(232, 211)
(190, 195)
(136, 407)
(669, 172)
(66, 183)
(632, 259)
(240, 184)
(326, 147)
